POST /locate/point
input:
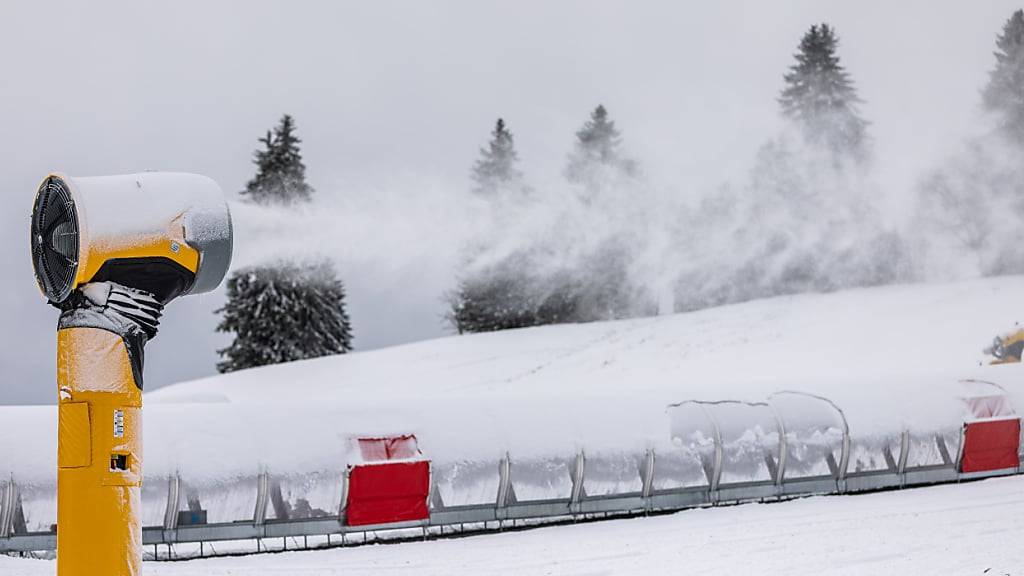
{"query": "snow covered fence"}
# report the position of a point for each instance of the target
(789, 445)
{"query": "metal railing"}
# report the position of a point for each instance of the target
(507, 506)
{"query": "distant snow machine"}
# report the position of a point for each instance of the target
(1008, 348)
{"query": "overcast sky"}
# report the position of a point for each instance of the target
(393, 99)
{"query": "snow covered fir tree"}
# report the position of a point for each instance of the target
(496, 295)
(1004, 94)
(972, 205)
(596, 154)
(283, 313)
(808, 217)
(497, 171)
(599, 287)
(534, 284)
(280, 173)
(820, 97)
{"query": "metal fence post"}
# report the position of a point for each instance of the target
(578, 471)
(844, 455)
(8, 501)
(901, 466)
(780, 473)
(647, 475)
(259, 514)
(173, 501)
(504, 481)
(343, 507)
(716, 467)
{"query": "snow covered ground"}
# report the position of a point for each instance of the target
(889, 357)
(966, 529)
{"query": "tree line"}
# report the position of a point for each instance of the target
(805, 219)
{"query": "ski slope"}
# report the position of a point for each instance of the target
(972, 528)
(889, 357)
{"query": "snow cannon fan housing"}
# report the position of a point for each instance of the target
(168, 234)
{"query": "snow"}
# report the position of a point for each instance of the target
(889, 358)
(153, 199)
(955, 529)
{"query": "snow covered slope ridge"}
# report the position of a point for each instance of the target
(889, 357)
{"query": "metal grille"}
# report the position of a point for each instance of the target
(55, 239)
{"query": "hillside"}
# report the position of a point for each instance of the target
(887, 356)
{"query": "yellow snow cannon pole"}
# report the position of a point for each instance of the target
(110, 252)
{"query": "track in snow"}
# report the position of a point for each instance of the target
(973, 528)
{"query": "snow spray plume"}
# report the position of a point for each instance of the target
(626, 245)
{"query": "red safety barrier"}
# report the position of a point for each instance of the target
(388, 492)
(991, 445)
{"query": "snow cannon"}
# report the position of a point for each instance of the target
(1007, 348)
(110, 252)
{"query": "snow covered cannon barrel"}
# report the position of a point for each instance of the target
(110, 252)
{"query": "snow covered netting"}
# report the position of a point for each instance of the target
(815, 430)
(542, 477)
(874, 452)
(39, 506)
(305, 495)
(28, 457)
(227, 499)
(28, 449)
(937, 448)
(750, 439)
(613, 473)
(984, 399)
(690, 460)
(941, 444)
(154, 500)
(467, 482)
(879, 408)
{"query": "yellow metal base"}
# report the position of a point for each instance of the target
(99, 456)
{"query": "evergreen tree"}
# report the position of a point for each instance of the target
(280, 174)
(972, 202)
(1004, 93)
(597, 150)
(283, 313)
(499, 296)
(506, 296)
(496, 169)
(820, 97)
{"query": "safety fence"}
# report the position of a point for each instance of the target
(791, 445)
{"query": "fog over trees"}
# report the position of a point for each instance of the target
(606, 242)
(970, 206)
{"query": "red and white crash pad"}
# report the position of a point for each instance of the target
(991, 434)
(391, 484)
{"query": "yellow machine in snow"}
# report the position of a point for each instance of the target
(110, 252)
(1008, 348)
